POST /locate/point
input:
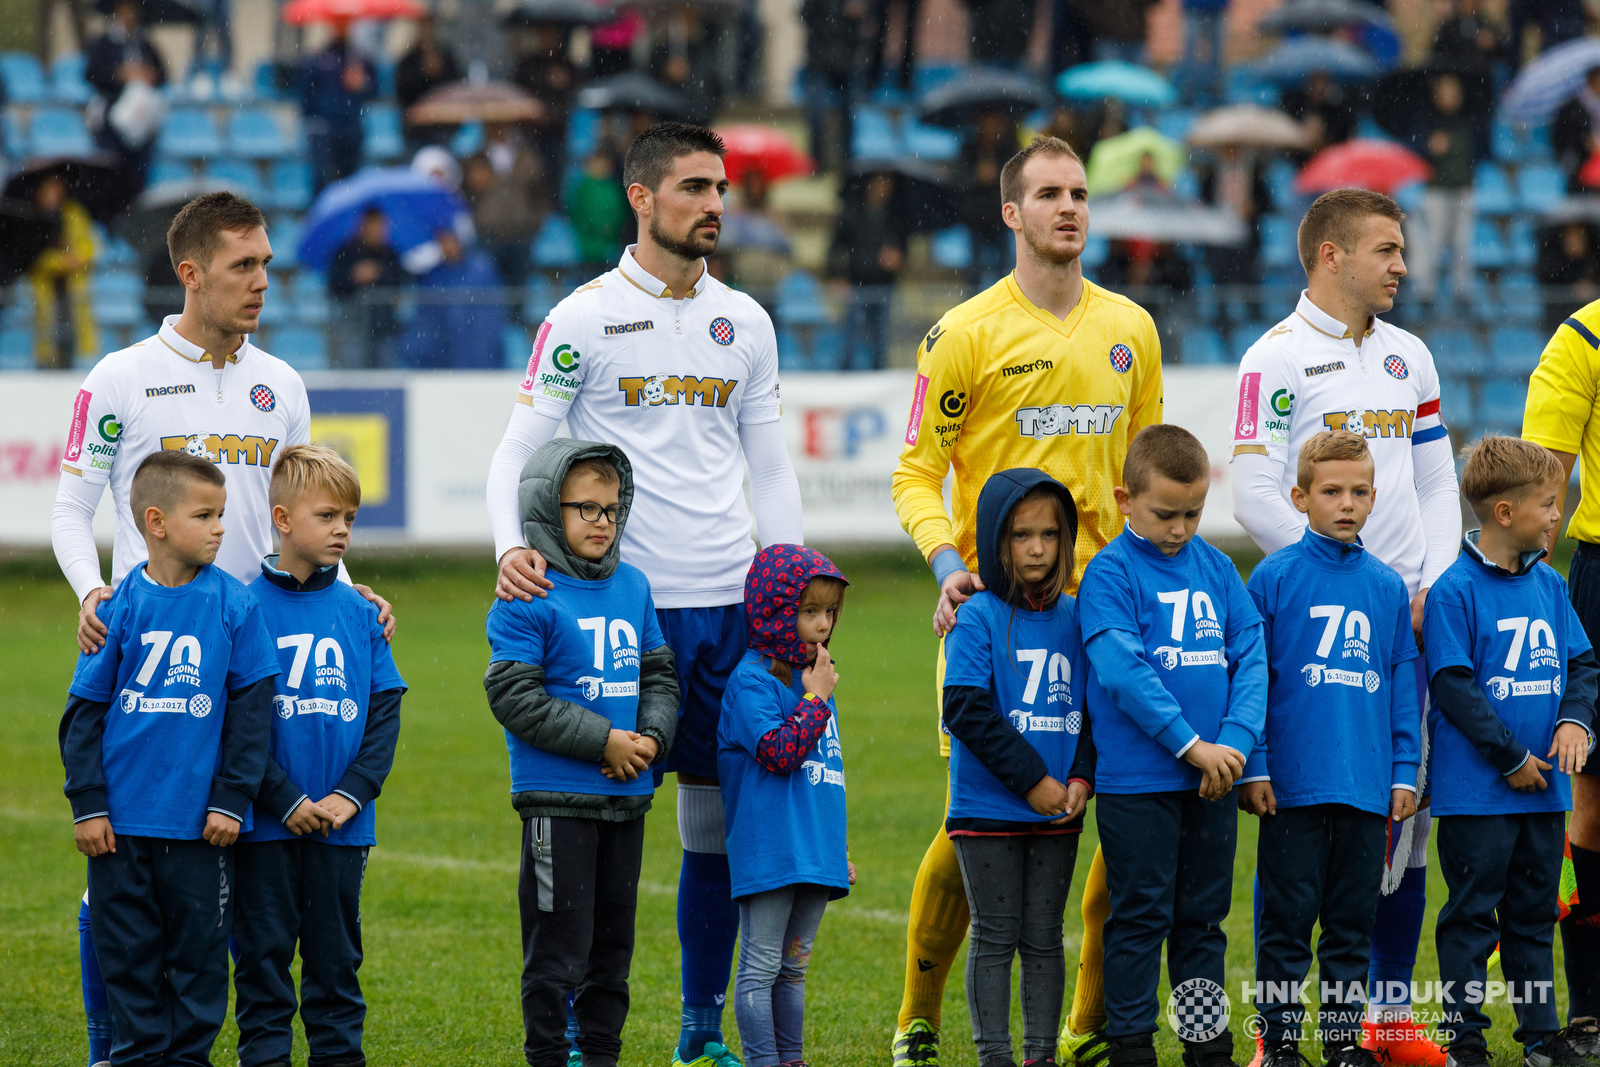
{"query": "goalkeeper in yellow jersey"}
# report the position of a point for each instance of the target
(1047, 370)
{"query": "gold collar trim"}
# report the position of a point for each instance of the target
(666, 291)
(203, 357)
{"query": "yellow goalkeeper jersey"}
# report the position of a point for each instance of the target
(1563, 409)
(1002, 383)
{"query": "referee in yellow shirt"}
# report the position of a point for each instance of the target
(1047, 370)
(1563, 415)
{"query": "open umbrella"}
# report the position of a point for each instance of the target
(1128, 82)
(1324, 16)
(1297, 59)
(1248, 126)
(1381, 166)
(97, 181)
(763, 149)
(954, 103)
(632, 92)
(1153, 216)
(922, 190)
(416, 206)
(1549, 81)
(159, 12)
(24, 233)
(459, 102)
(1117, 161)
(558, 13)
(1395, 95)
(302, 11)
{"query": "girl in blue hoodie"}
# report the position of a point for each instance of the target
(1021, 759)
(782, 775)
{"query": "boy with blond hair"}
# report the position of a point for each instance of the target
(1513, 677)
(337, 704)
(1342, 747)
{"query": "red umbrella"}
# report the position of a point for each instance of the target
(763, 149)
(1381, 166)
(299, 11)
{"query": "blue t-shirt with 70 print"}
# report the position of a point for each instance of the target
(587, 635)
(170, 659)
(1032, 663)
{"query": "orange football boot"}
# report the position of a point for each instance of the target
(1401, 1042)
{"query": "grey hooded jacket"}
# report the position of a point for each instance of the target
(517, 695)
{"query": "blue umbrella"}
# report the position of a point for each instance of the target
(1128, 82)
(417, 208)
(1547, 82)
(1297, 59)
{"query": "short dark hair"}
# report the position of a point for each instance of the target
(599, 466)
(1011, 188)
(164, 477)
(1167, 450)
(650, 157)
(196, 233)
(1337, 217)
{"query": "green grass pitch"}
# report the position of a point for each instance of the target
(439, 908)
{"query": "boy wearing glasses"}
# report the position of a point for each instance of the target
(584, 685)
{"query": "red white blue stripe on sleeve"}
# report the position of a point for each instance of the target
(1428, 425)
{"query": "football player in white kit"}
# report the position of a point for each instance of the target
(199, 385)
(680, 371)
(1333, 364)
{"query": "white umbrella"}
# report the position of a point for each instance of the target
(1143, 215)
(1248, 126)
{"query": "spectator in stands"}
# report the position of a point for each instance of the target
(1236, 180)
(362, 280)
(122, 57)
(1558, 21)
(60, 279)
(1450, 144)
(545, 69)
(1072, 126)
(1200, 70)
(869, 251)
(1071, 39)
(429, 64)
(611, 45)
(1469, 41)
(1325, 108)
(1575, 134)
(1118, 27)
(334, 84)
(595, 198)
(1140, 264)
(687, 59)
(999, 31)
(994, 140)
(839, 36)
(504, 183)
(459, 324)
(1568, 257)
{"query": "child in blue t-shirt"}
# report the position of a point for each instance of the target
(1177, 696)
(1021, 761)
(165, 741)
(1513, 679)
(584, 685)
(782, 775)
(1343, 738)
(337, 704)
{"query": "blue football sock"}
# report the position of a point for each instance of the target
(572, 1023)
(1394, 941)
(95, 1004)
(708, 925)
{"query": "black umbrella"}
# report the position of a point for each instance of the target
(97, 181)
(1324, 16)
(923, 197)
(24, 233)
(145, 225)
(558, 13)
(1394, 98)
(632, 92)
(978, 89)
(154, 12)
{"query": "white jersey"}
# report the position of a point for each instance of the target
(162, 393)
(1306, 375)
(670, 382)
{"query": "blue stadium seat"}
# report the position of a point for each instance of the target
(23, 77)
(240, 173)
(467, 140)
(555, 245)
(1241, 337)
(163, 171)
(189, 134)
(1522, 243)
(800, 301)
(1458, 352)
(387, 68)
(60, 131)
(16, 143)
(117, 296)
(933, 143)
(16, 348)
(1500, 404)
(382, 138)
(301, 348)
(1409, 197)
(873, 135)
(1509, 144)
(284, 233)
(1456, 404)
(1095, 251)
(66, 79)
(583, 133)
(255, 134)
(1519, 298)
(810, 348)
(1514, 350)
(1280, 184)
(266, 80)
(1175, 122)
(1204, 348)
(1278, 241)
(1541, 185)
(514, 346)
(952, 248)
(1489, 250)
(1491, 190)
(290, 184)
(308, 298)
(542, 296)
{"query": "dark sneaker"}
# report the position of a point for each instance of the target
(1583, 1034)
(1283, 1054)
(1466, 1055)
(1352, 1056)
(1132, 1052)
(916, 1046)
(1042, 1061)
(1218, 1052)
(1556, 1050)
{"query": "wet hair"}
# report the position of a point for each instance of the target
(1504, 468)
(1012, 190)
(164, 479)
(1329, 446)
(304, 468)
(196, 233)
(824, 589)
(649, 158)
(1337, 217)
(598, 466)
(1167, 450)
